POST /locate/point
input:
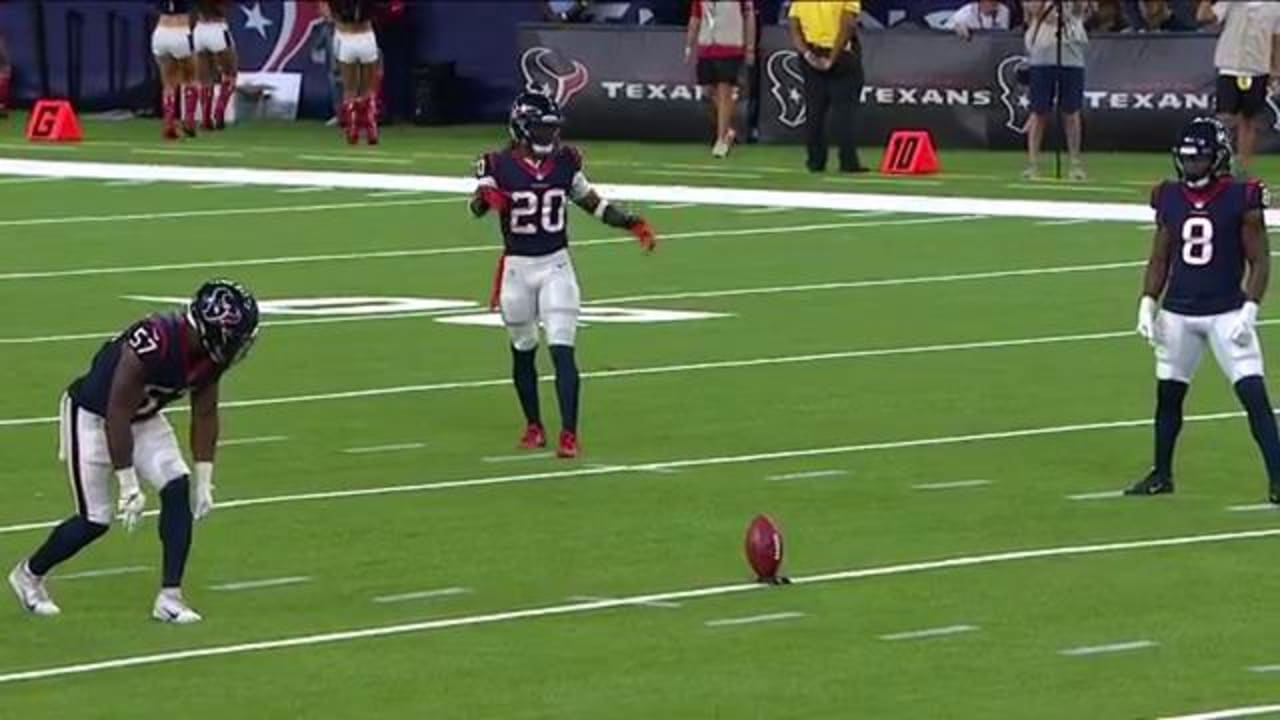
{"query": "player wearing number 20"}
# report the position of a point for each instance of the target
(111, 425)
(1209, 231)
(530, 184)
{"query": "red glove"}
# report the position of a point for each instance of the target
(645, 235)
(494, 198)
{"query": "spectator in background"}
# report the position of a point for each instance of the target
(1107, 17)
(1056, 75)
(1248, 60)
(1157, 16)
(824, 33)
(722, 36)
(980, 15)
(6, 75)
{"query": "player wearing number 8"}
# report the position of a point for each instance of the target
(530, 184)
(1209, 231)
(111, 426)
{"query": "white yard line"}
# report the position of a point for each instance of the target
(105, 572)
(754, 619)
(258, 584)
(422, 595)
(930, 633)
(27, 180)
(957, 485)
(1087, 650)
(192, 153)
(514, 615)
(1255, 507)
(383, 448)
(808, 475)
(519, 457)
(222, 212)
(1050, 223)
(1229, 714)
(1101, 495)
(393, 193)
(127, 183)
(763, 210)
(253, 440)
(596, 598)
(216, 186)
(672, 206)
(1264, 668)
(303, 190)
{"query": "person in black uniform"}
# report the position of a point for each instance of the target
(530, 184)
(111, 426)
(1210, 229)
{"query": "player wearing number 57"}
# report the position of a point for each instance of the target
(111, 425)
(529, 185)
(1210, 228)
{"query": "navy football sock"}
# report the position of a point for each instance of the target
(175, 529)
(1252, 392)
(524, 373)
(1169, 397)
(70, 537)
(567, 385)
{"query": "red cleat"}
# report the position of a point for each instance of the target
(534, 437)
(207, 125)
(170, 132)
(568, 445)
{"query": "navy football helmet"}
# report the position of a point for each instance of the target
(225, 315)
(1203, 152)
(535, 123)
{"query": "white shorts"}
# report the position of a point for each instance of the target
(359, 48)
(540, 291)
(211, 37)
(1180, 341)
(82, 444)
(171, 42)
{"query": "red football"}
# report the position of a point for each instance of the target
(764, 547)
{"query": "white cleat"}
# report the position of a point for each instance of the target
(171, 608)
(31, 592)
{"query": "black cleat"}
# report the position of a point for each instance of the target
(1152, 484)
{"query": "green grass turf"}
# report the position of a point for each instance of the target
(535, 543)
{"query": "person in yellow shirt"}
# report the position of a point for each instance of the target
(824, 33)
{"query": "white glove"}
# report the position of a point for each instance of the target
(1242, 331)
(131, 501)
(202, 503)
(1147, 319)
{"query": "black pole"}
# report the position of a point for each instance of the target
(1061, 129)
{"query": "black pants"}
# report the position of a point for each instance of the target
(836, 91)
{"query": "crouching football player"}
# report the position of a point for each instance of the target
(530, 184)
(111, 425)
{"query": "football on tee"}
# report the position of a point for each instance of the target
(764, 547)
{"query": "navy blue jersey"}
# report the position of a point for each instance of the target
(160, 342)
(537, 221)
(173, 7)
(1206, 226)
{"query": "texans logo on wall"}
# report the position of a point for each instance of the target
(270, 35)
(547, 72)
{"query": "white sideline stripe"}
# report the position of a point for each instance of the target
(518, 457)
(223, 212)
(356, 159)
(1257, 507)
(763, 211)
(383, 448)
(195, 153)
(672, 464)
(753, 619)
(931, 205)
(253, 440)
(1109, 648)
(216, 186)
(486, 248)
(605, 604)
(267, 583)
(652, 370)
(653, 603)
(672, 206)
(422, 595)
(702, 173)
(300, 190)
(930, 632)
(1076, 221)
(808, 474)
(1101, 495)
(105, 572)
(1240, 712)
(1264, 668)
(958, 484)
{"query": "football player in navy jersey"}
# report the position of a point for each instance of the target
(1209, 267)
(111, 426)
(529, 184)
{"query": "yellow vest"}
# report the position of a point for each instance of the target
(820, 19)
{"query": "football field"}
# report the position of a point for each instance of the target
(937, 408)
